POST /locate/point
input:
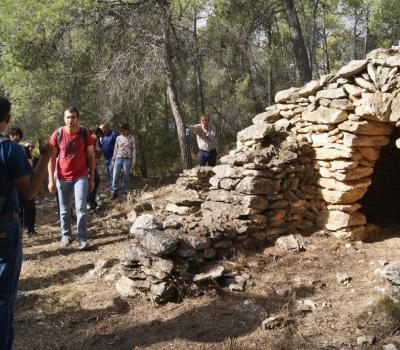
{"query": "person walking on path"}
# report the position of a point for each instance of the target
(96, 134)
(73, 150)
(28, 207)
(124, 157)
(16, 177)
(107, 144)
(206, 141)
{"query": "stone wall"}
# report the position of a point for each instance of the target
(339, 122)
(304, 163)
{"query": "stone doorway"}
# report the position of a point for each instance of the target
(381, 203)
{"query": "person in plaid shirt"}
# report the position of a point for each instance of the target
(124, 157)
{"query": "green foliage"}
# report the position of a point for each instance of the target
(106, 57)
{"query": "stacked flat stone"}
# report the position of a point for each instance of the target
(263, 189)
(304, 162)
(146, 266)
(336, 124)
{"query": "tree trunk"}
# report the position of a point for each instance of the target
(258, 106)
(197, 69)
(325, 43)
(142, 157)
(312, 41)
(270, 82)
(366, 39)
(171, 86)
(299, 48)
(355, 52)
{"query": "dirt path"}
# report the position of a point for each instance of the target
(66, 303)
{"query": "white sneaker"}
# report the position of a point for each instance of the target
(83, 244)
(65, 241)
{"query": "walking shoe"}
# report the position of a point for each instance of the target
(65, 241)
(83, 244)
(114, 195)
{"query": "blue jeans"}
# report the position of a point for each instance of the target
(10, 268)
(109, 170)
(121, 163)
(65, 189)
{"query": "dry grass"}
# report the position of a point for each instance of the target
(390, 308)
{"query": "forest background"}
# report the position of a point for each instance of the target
(158, 64)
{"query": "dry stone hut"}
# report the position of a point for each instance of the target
(308, 160)
(323, 156)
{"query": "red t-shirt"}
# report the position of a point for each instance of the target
(72, 163)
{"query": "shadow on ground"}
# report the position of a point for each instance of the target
(226, 316)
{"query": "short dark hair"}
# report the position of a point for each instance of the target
(15, 130)
(5, 108)
(98, 131)
(72, 109)
(124, 127)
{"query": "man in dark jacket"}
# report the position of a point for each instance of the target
(107, 144)
(15, 178)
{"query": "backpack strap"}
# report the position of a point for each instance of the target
(84, 136)
(4, 196)
(82, 130)
(58, 139)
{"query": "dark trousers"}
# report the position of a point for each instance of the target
(10, 268)
(29, 214)
(207, 158)
(92, 195)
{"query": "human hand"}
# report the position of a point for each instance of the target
(91, 184)
(52, 187)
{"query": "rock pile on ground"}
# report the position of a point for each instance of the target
(146, 267)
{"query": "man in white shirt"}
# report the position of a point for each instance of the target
(206, 141)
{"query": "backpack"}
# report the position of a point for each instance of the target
(3, 195)
(60, 133)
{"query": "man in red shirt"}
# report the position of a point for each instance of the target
(74, 156)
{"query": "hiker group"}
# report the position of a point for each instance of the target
(69, 162)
